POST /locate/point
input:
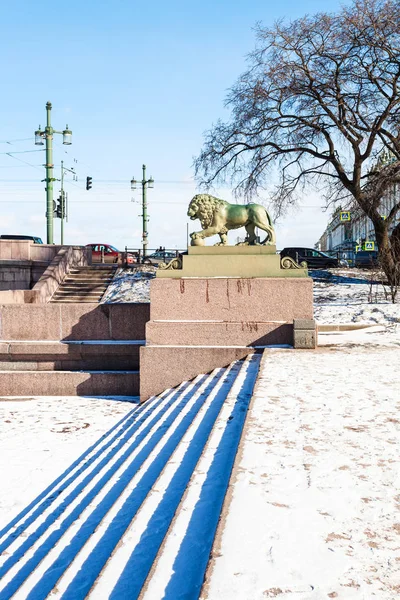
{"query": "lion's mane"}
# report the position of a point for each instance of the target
(207, 206)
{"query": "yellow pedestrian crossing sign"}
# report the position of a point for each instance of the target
(345, 215)
(369, 246)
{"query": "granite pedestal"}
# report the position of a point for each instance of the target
(219, 305)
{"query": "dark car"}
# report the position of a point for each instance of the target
(162, 256)
(314, 258)
(33, 238)
(366, 259)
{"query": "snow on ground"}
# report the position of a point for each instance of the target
(315, 509)
(41, 437)
(130, 285)
(355, 296)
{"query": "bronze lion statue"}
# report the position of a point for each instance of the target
(218, 217)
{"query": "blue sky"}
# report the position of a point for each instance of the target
(137, 83)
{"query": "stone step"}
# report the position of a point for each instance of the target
(107, 267)
(58, 356)
(84, 277)
(79, 292)
(76, 299)
(148, 484)
(69, 383)
(85, 283)
(84, 294)
(82, 285)
(95, 363)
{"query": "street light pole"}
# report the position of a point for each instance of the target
(49, 175)
(145, 184)
(144, 212)
(47, 134)
(62, 203)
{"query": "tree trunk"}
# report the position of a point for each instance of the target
(389, 253)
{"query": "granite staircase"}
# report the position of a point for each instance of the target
(85, 284)
(71, 349)
(136, 515)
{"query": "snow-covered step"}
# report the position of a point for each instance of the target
(178, 530)
(84, 531)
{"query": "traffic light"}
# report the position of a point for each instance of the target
(88, 182)
(59, 210)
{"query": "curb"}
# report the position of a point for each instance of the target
(343, 327)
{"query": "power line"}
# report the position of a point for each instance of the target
(103, 181)
(18, 140)
(21, 152)
(23, 161)
(14, 167)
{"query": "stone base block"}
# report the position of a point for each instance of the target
(68, 383)
(163, 367)
(232, 299)
(304, 334)
(231, 261)
(218, 333)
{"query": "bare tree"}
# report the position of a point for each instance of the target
(318, 104)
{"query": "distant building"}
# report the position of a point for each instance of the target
(350, 231)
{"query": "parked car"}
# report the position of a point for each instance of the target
(33, 238)
(314, 258)
(107, 253)
(162, 256)
(366, 259)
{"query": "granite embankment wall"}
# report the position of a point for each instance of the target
(73, 322)
(30, 273)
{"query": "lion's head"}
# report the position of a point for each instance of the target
(203, 207)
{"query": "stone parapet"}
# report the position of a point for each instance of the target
(41, 273)
(67, 258)
(27, 250)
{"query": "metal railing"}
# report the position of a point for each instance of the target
(154, 256)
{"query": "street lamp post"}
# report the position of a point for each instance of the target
(47, 134)
(145, 184)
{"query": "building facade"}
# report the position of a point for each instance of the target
(350, 231)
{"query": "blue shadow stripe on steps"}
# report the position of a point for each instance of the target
(144, 554)
(56, 534)
(151, 439)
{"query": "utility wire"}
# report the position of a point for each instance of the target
(124, 182)
(23, 161)
(112, 202)
(22, 151)
(18, 140)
